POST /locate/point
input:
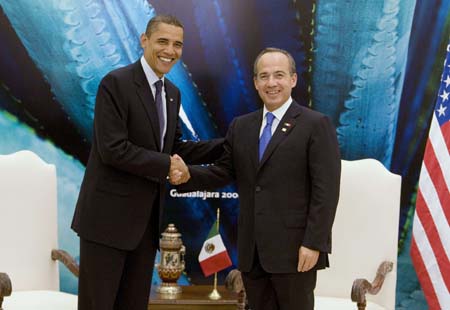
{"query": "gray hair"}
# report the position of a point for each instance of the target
(292, 68)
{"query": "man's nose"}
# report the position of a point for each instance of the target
(170, 49)
(271, 80)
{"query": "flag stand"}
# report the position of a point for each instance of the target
(214, 295)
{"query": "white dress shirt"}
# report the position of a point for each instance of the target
(151, 79)
(278, 113)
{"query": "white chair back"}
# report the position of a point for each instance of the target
(365, 231)
(28, 221)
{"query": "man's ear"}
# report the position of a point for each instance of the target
(294, 80)
(143, 40)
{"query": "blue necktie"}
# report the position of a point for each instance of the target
(266, 134)
(159, 109)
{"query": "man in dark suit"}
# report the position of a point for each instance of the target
(119, 208)
(286, 163)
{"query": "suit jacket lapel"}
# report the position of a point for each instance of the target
(145, 94)
(285, 126)
(172, 114)
(253, 138)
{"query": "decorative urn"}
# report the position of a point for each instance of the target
(172, 261)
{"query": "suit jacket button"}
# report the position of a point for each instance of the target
(258, 189)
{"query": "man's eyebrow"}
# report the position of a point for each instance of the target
(275, 72)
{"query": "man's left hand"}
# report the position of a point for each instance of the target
(307, 259)
(179, 172)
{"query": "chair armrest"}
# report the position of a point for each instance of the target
(361, 286)
(67, 261)
(5, 287)
(234, 283)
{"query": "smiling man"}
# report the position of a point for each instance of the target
(285, 160)
(119, 207)
(162, 49)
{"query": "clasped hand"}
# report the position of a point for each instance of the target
(179, 172)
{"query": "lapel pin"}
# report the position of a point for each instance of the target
(286, 127)
(171, 99)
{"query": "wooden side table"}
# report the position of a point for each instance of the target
(195, 297)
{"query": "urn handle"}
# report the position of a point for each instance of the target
(182, 253)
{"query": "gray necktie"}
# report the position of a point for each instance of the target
(160, 109)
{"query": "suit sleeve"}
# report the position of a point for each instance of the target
(325, 170)
(217, 175)
(196, 152)
(111, 134)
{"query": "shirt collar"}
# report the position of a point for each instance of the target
(279, 113)
(149, 73)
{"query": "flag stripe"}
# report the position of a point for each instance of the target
(440, 148)
(433, 206)
(218, 247)
(215, 263)
(432, 236)
(424, 278)
(437, 177)
(445, 129)
(213, 231)
(431, 266)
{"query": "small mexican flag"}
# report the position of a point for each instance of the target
(213, 256)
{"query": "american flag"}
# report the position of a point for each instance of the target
(430, 246)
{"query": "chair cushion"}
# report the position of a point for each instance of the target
(328, 303)
(40, 300)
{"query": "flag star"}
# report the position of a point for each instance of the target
(447, 81)
(444, 96)
(441, 110)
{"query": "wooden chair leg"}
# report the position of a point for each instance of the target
(5, 287)
(361, 305)
(233, 282)
(241, 300)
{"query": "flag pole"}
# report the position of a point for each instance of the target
(214, 295)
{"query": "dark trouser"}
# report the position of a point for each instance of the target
(284, 291)
(112, 279)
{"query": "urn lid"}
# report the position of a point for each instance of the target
(171, 232)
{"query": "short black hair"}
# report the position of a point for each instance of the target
(161, 19)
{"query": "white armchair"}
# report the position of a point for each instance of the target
(365, 234)
(28, 227)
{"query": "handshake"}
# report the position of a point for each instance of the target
(179, 172)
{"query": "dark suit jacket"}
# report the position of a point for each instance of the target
(288, 199)
(126, 172)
